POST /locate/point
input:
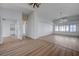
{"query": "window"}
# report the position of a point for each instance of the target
(67, 28)
(72, 28)
(59, 28)
(64, 28)
(56, 28)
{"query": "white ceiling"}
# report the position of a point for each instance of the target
(18, 6)
(47, 11)
(51, 11)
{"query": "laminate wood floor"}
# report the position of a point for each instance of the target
(30, 47)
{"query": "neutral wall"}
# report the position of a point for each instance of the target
(49, 12)
(44, 29)
(6, 27)
(0, 32)
(36, 28)
(40, 22)
(10, 14)
(30, 26)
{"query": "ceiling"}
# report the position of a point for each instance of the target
(47, 11)
(18, 6)
(51, 11)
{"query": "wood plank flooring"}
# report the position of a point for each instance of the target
(30, 47)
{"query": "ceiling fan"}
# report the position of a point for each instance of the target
(34, 5)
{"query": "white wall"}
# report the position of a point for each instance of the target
(6, 27)
(10, 14)
(48, 12)
(36, 28)
(0, 32)
(30, 26)
(45, 29)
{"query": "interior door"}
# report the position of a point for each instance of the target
(12, 29)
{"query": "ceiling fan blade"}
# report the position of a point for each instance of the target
(30, 3)
(35, 4)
